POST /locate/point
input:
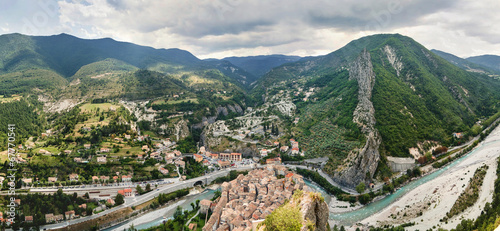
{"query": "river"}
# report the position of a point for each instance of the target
(155, 217)
(350, 218)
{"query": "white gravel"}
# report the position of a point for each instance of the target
(443, 191)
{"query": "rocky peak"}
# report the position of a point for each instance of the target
(365, 163)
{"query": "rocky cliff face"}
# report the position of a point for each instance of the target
(181, 130)
(393, 58)
(365, 162)
(314, 210)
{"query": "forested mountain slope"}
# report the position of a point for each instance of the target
(417, 96)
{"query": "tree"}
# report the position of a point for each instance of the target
(119, 199)
(139, 189)
(428, 156)
(361, 187)
(132, 228)
(178, 212)
(197, 203)
(192, 205)
(286, 217)
(148, 187)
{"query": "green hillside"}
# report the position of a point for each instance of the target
(491, 61)
(103, 67)
(427, 99)
(26, 80)
(466, 64)
(96, 61)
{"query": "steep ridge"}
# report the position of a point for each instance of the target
(491, 61)
(466, 64)
(260, 65)
(416, 97)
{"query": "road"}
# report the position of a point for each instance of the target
(137, 200)
(327, 177)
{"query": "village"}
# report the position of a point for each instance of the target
(248, 199)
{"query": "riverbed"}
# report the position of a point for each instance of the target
(437, 191)
(156, 217)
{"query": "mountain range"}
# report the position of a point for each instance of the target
(378, 96)
(381, 94)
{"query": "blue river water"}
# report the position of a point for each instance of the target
(347, 218)
(159, 217)
(186, 205)
(350, 218)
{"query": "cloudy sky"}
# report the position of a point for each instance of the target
(221, 28)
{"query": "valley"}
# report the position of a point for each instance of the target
(388, 117)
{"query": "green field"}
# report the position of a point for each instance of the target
(3, 99)
(4, 156)
(125, 148)
(52, 150)
(45, 160)
(92, 106)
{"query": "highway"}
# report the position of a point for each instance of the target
(137, 200)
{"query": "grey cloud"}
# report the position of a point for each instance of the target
(221, 25)
(376, 15)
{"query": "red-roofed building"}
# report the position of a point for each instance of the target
(69, 214)
(198, 158)
(28, 219)
(223, 164)
(111, 201)
(276, 160)
(224, 156)
(205, 206)
(126, 192)
(214, 156)
(126, 178)
(235, 157)
(192, 226)
(163, 170)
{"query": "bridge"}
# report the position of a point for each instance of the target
(137, 200)
(203, 180)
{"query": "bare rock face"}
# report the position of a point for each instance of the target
(238, 109)
(181, 130)
(314, 211)
(365, 163)
(393, 59)
(222, 110)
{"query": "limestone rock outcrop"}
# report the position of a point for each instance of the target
(365, 163)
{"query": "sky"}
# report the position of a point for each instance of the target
(223, 28)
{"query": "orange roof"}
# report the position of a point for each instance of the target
(289, 175)
(197, 156)
(121, 192)
(128, 190)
